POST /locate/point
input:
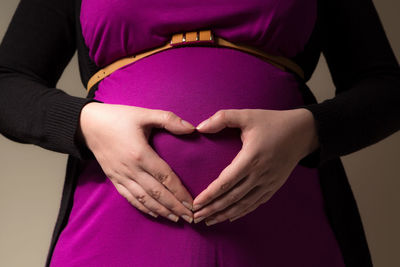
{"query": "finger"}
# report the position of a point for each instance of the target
(231, 175)
(263, 199)
(162, 172)
(223, 118)
(132, 200)
(237, 208)
(168, 120)
(232, 196)
(154, 165)
(149, 202)
(159, 193)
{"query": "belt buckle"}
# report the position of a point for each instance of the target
(194, 37)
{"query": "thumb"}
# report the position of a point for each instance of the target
(170, 121)
(221, 119)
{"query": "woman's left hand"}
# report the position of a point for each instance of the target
(274, 141)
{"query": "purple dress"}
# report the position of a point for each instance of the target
(291, 229)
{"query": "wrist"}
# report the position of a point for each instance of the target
(84, 118)
(308, 128)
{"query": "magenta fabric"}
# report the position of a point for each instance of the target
(103, 229)
(116, 28)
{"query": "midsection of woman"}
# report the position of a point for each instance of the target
(291, 229)
(195, 82)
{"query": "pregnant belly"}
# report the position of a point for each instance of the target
(291, 229)
(194, 83)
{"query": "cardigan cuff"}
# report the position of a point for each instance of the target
(62, 123)
(321, 112)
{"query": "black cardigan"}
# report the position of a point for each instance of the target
(44, 34)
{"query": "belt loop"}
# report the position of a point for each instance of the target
(194, 37)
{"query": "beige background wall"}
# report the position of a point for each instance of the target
(31, 178)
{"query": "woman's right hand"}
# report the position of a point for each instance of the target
(118, 137)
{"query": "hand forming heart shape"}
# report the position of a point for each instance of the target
(274, 141)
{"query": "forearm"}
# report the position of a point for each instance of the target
(366, 76)
(37, 46)
(32, 113)
(360, 117)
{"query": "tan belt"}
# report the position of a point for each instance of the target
(203, 37)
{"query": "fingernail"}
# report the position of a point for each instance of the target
(187, 218)
(196, 207)
(202, 124)
(187, 205)
(153, 214)
(211, 222)
(187, 124)
(173, 217)
(196, 220)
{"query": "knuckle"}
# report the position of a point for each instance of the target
(108, 172)
(162, 177)
(233, 198)
(221, 114)
(225, 186)
(169, 115)
(109, 175)
(141, 198)
(136, 155)
(155, 193)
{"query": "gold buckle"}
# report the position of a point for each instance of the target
(194, 37)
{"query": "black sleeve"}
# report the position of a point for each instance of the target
(366, 75)
(37, 46)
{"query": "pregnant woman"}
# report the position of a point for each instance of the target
(248, 177)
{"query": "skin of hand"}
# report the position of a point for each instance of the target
(273, 142)
(121, 147)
